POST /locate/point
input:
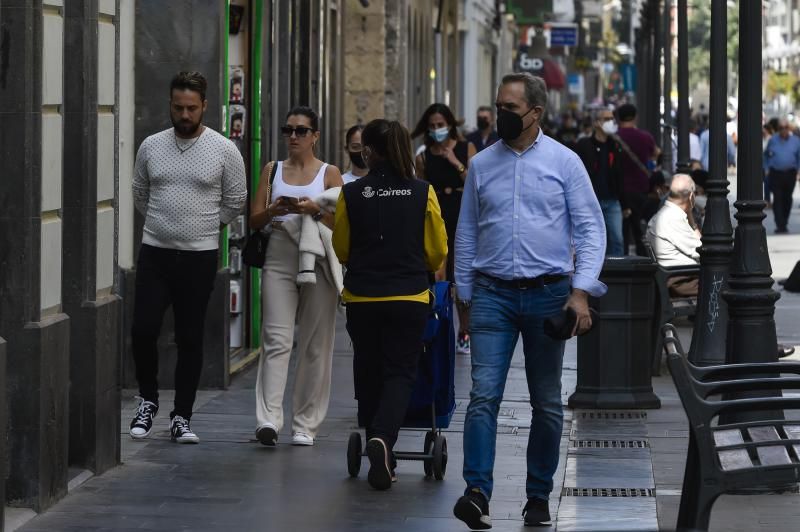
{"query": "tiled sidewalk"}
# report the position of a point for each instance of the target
(230, 482)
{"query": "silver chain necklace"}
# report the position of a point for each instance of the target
(189, 147)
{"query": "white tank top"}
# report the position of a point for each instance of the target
(282, 188)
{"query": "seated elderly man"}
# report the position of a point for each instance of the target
(674, 236)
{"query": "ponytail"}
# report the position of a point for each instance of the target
(390, 140)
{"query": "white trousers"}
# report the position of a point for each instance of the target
(284, 304)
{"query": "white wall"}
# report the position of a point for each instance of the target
(52, 153)
(126, 118)
(106, 123)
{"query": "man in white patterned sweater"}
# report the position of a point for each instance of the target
(188, 181)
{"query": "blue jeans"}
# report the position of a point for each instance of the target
(612, 214)
(499, 314)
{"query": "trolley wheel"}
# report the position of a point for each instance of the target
(439, 457)
(427, 463)
(354, 451)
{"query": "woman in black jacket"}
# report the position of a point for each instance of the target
(390, 234)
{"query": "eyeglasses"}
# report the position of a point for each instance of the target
(300, 132)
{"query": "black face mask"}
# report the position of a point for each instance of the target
(357, 159)
(483, 123)
(509, 124)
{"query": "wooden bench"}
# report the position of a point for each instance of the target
(728, 457)
(669, 308)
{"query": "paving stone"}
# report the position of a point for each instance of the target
(613, 514)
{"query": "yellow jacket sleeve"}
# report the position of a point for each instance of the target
(341, 230)
(435, 233)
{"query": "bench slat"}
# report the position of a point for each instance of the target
(793, 431)
(773, 455)
(763, 434)
(734, 459)
(728, 437)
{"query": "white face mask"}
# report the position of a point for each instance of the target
(610, 127)
(700, 201)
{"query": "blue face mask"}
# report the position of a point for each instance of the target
(439, 135)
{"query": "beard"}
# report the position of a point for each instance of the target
(186, 128)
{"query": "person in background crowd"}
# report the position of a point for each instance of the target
(638, 158)
(659, 190)
(675, 237)
(781, 162)
(700, 178)
(568, 133)
(444, 165)
(293, 299)
(695, 153)
(704, 147)
(530, 243)
(352, 145)
(485, 135)
(601, 155)
(187, 180)
(766, 133)
(390, 245)
(587, 127)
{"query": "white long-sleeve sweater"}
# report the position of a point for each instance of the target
(185, 195)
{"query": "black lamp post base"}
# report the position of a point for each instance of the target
(611, 400)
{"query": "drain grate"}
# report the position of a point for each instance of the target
(597, 414)
(609, 444)
(608, 492)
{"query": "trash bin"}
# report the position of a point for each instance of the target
(614, 358)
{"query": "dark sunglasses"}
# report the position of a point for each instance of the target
(301, 131)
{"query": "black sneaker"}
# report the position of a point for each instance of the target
(267, 434)
(473, 509)
(380, 474)
(180, 431)
(536, 512)
(142, 422)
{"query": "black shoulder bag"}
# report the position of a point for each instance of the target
(255, 250)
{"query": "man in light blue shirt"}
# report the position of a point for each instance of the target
(704, 144)
(781, 162)
(530, 242)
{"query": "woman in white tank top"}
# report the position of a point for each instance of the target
(305, 313)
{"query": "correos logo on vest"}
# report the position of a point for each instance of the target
(368, 192)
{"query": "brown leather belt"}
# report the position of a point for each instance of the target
(527, 283)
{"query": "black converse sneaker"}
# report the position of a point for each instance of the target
(536, 512)
(142, 422)
(180, 431)
(473, 509)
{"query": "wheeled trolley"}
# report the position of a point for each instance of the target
(432, 402)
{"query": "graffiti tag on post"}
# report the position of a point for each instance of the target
(713, 302)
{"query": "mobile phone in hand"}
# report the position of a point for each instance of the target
(291, 200)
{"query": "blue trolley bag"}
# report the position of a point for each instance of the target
(435, 377)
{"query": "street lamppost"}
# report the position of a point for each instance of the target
(666, 129)
(750, 297)
(711, 323)
(683, 88)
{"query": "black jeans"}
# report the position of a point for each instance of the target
(387, 344)
(781, 182)
(185, 280)
(632, 225)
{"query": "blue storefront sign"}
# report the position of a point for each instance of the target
(564, 35)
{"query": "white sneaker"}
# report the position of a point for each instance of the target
(301, 438)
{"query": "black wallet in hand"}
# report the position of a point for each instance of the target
(561, 325)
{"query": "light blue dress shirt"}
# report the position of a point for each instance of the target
(782, 154)
(524, 214)
(704, 146)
